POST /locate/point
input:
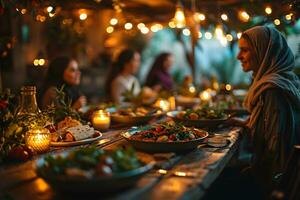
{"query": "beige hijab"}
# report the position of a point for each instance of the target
(275, 63)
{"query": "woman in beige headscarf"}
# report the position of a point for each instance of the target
(273, 100)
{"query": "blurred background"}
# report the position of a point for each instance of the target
(202, 36)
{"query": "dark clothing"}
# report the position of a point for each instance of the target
(161, 78)
(276, 130)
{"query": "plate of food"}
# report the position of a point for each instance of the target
(71, 132)
(201, 118)
(187, 101)
(133, 116)
(90, 170)
(167, 137)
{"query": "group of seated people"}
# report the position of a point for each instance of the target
(273, 98)
(64, 71)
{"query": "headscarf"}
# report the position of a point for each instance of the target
(275, 62)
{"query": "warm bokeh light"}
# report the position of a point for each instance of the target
(228, 87)
(113, 21)
(289, 16)
(224, 17)
(277, 22)
(110, 29)
(128, 26)
(208, 35)
(229, 37)
(268, 10)
(51, 14)
(144, 30)
(172, 24)
(201, 16)
(83, 16)
(156, 27)
(223, 41)
(186, 32)
(219, 32)
(141, 25)
(244, 16)
(36, 62)
(23, 11)
(42, 62)
(49, 9)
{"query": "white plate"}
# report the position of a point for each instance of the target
(75, 143)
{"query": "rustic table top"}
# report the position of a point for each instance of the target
(188, 175)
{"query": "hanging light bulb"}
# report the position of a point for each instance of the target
(179, 18)
(244, 16)
(219, 32)
(268, 10)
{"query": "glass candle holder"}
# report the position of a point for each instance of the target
(101, 120)
(38, 139)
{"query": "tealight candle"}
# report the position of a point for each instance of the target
(101, 120)
(38, 139)
(205, 96)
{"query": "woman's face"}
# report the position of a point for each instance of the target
(72, 73)
(246, 56)
(133, 65)
(168, 63)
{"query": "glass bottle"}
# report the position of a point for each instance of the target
(28, 103)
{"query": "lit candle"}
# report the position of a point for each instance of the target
(38, 139)
(101, 120)
(163, 104)
(205, 96)
(172, 103)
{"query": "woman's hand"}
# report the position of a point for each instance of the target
(81, 101)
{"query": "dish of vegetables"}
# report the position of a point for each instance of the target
(93, 170)
(169, 137)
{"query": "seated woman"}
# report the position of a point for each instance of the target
(273, 100)
(159, 77)
(63, 71)
(121, 75)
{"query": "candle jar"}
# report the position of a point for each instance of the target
(101, 120)
(38, 139)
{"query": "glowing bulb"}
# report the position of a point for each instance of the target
(49, 9)
(186, 32)
(244, 16)
(219, 32)
(228, 87)
(229, 37)
(289, 16)
(51, 14)
(154, 28)
(224, 17)
(208, 35)
(113, 21)
(277, 22)
(141, 25)
(201, 17)
(128, 26)
(268, 10)
(23, 11)
(41, 62)
(83, 16)
(110, 29)
(144, 30)
(36, 62)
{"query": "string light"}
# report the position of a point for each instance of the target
(186, 32)
(49, 9)
(51, 14)
(110, 29)
(268, 10)
(172, 24)
(23, 11)
(113, 21)
(128, 26)
(289, 16)
(224, 17)
(219, 32)
(83, 16)
(144, 30)
(229, 37)
(277, 22)
(244, 16)
(208, 35)
(141, 25)
(156, 27)
(199, 17)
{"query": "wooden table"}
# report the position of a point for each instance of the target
(203, 166)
